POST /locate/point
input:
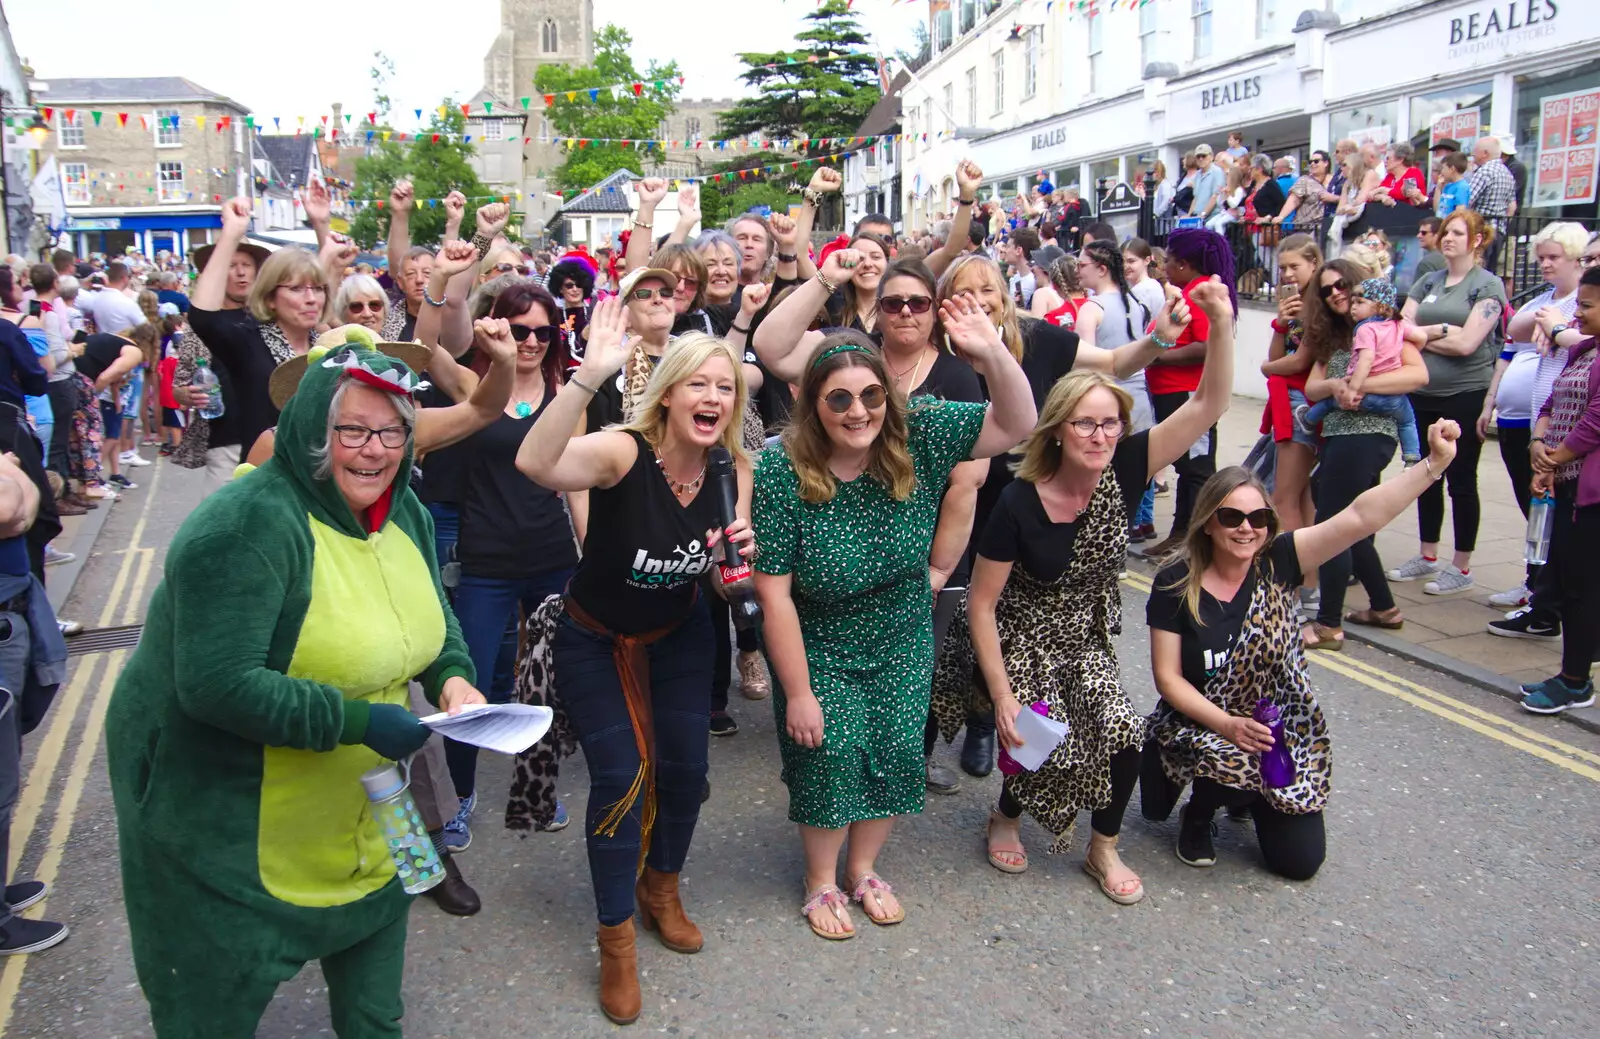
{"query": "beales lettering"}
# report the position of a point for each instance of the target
(1503, 18)
(1228, 93)
(1050, 138)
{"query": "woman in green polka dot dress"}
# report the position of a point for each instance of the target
(845, 512)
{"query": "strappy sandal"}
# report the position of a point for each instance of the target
(1119, 897)
(830, 897)
(1390, 619)
(869, 883)
(1325, 637)
(994, 852)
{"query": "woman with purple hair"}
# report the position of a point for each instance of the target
(1193, 256)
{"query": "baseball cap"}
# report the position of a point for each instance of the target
(1046, 255)
(1204, 149)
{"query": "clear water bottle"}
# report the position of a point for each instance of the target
(206, 381)
(1536, 549)
(1277, 765)
(415, 860)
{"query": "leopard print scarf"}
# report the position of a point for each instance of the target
(532, 803)
(1266, 660)
(1056, 640)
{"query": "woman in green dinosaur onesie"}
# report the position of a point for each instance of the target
(295, 607)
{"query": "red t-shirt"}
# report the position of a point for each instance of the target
(1182, 378)
(1066, 315)
(1396, 188)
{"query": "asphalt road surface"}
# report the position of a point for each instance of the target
(1461, 896)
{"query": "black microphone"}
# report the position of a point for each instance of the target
(737, 583)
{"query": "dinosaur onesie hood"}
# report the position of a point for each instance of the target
(233, 736)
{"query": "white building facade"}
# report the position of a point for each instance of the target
(1034, 89)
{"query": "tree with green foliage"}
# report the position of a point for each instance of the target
(434, 167)
(629, 118)
(826, 94)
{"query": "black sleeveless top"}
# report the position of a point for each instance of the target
(644, 552)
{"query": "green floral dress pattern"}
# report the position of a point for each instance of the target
(1344, 423)
(860, 585)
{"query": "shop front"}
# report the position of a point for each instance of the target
(1262, 97)
(144, 230)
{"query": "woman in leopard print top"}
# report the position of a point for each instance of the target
(1222, 636)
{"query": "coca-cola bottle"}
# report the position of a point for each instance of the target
(734, 572)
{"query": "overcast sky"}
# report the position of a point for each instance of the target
(279, 64)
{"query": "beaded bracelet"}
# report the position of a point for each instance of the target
(1163, 342)
(429, 300)
(825, 283)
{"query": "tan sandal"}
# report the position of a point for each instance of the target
(1121, 898)
(994, 852)
(1322, 637)
(1390, 620)
(870, 884)
(829, 897)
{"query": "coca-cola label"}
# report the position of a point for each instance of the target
(736, 573)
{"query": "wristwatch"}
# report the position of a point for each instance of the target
(787, 257)
(1558, 330)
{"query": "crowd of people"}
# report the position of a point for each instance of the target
(888, 484)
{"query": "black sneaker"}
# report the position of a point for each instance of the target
(25, 893)
(22, 935)
(122, 483)
(1239, 815)
(1196, 840)
(722, 724)
(1527, 624)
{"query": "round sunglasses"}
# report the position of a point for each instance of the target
(1328, 290)
(872, 398)
(1259, 519)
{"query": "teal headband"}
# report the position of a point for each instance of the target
(842, 348)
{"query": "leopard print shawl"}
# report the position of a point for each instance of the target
(532, 803)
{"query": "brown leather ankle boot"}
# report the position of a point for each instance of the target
(660, 910)
(619, 974)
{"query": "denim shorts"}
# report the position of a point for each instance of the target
(1297, 400)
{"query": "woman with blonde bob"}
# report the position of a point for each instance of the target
(1043, 606)
(629, 651)
(286, 305)
(1223, 620)
(846, 508)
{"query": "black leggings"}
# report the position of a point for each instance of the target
(1462, 475)
(1193, 471)
(1575, 566)
(1351, 464)
(1107, 821)
(722, 661)
(1514, 453)
(1294, 846)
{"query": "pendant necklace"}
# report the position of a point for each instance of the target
(915, 370)
(523, 409)
(679, 489)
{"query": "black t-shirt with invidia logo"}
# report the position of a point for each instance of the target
(644, 552)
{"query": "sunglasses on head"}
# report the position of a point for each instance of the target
(646, 295)
(872, 398)
(1259, 519)
(899, 304)
(1339, 286)
(357, 306)
(543, 333)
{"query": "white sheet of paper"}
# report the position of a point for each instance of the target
(509, 728)
(1040, 737)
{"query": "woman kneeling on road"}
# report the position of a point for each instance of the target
(1223, 626)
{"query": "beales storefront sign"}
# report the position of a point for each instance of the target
(1248, 95)
(1495, 28)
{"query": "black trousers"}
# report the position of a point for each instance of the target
(722, 661)
(63, 395)
(1462, 475)
(1107, 821)
(1351, 464)
(979, 722)
(1293, 846)
(18, 437)
(1514, 453)
(1193, 470)
(1574, 588)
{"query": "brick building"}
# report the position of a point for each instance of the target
(145, 163)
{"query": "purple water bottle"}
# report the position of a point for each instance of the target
(1277, 767)
(1008, 764)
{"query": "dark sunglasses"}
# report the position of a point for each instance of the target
(646, 295)
(1259, 519)
(567, 285)
(872, 398)
(900, 304)
(357, 306)
(1339, 286)
(507, 268)
(543, 333)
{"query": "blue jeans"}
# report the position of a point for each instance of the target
(1397, 406)
(486, 608)
(14, 653)
(446, 530)
(1146, 516)
(680, 697)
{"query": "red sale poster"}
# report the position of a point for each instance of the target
(1569, 148)
(1585, 115)
(1580, 175)
(1553, 125)
(1550, 181)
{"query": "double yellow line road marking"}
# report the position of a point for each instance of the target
(127, 590)
(1486, 723)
